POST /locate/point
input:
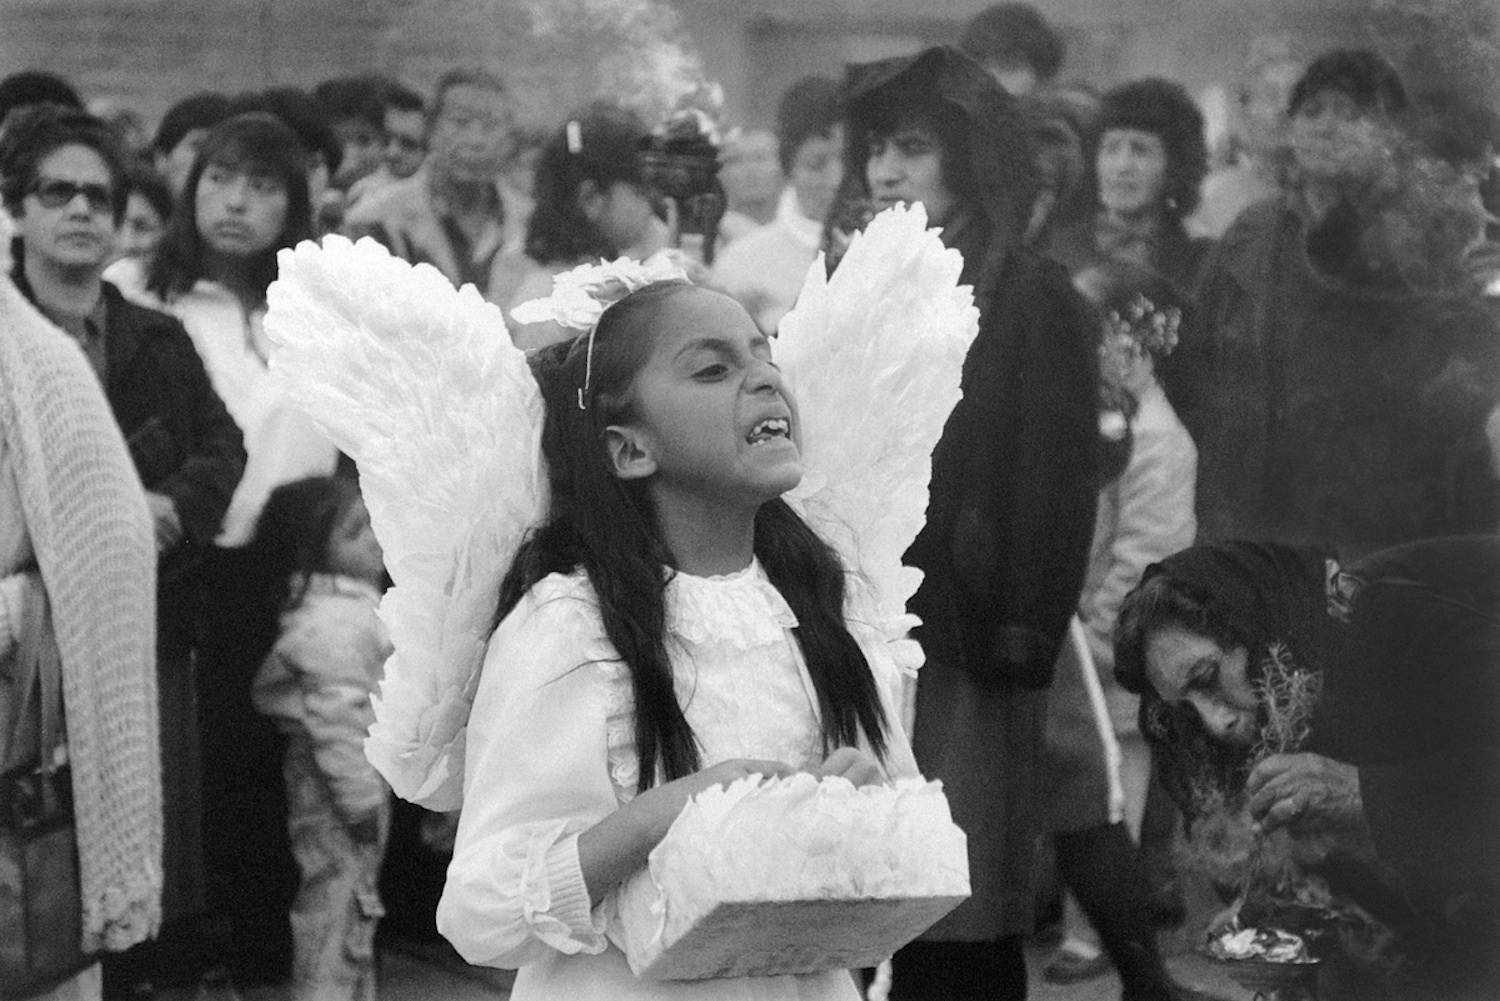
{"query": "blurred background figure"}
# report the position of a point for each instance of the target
(77, 615)
(355, 109)
(1146, 160)
(1344, 362)
(247, 197)
(936, 128)
(752, 179)
(520, 169)
(765, 269)
(181, 131)
(148, 209)
(1014, 42)
(404, 139)
(591, 202)
(323, 575)
(1060, 122)
(456, 212)
(1097, 767)
(30, 87)
(1258, 157)
(66, 181)
(127, 122)
(1333, 728)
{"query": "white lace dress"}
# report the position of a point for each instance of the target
(551, 751)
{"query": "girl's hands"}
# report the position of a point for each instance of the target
(853, 764)
(619, 844)
(1286, 790)
(668, 800)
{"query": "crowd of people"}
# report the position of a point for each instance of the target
(1211, 595)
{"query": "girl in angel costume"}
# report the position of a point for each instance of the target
(697, 580)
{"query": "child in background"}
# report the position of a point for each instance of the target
(1145, 514)
(316, 686)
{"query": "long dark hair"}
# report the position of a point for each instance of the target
(1192, 765)
(607, 527)
(292, 535)
(257, 142)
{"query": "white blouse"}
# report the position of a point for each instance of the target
(551, 752)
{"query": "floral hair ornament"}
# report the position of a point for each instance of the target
(1154, 330)
(580, 297)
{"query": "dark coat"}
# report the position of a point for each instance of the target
(184, 443)
(1332, 412)
(1178, 256)
(186, 446)
(1004, 553)
(1006, 543)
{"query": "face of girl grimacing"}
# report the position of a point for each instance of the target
(711, 416)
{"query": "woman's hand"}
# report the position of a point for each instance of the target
(1286, 790)
(853, 764)
(618, 845)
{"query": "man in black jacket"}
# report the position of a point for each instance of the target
(62, 177)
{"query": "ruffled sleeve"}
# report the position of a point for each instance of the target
(537, 774)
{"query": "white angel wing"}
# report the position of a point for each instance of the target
(874, 356)
(421, 385)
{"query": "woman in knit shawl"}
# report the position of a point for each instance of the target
(1354, 716)
(74, 532)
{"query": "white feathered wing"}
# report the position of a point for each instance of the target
(421, 385)
(875, 355)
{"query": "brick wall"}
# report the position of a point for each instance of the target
(150, 52)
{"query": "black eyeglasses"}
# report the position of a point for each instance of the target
(56, 194)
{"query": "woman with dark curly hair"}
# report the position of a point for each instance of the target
(1013, 491)
(1147, 158)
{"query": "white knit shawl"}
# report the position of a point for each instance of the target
(86, 514)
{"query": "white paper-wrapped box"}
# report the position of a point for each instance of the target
(793, 875)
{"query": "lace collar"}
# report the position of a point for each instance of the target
(742, 610)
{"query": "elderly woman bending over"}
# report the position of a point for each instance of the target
(1337, 730)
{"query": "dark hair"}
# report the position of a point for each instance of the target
(200, 111)
(37, 131)
(255, 142)
(606, 527)
(607, 151)
(28, 87)
(357, 97)
(297, 109)
(463, 77)
(292, 534)
(1367, 79)
(808, 109)
(1189, 760)
(987, 160)
(1454, 128)
(1163, 109)
(1014, 32)
(1159, 602)
(142, 180)
(399, 97)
